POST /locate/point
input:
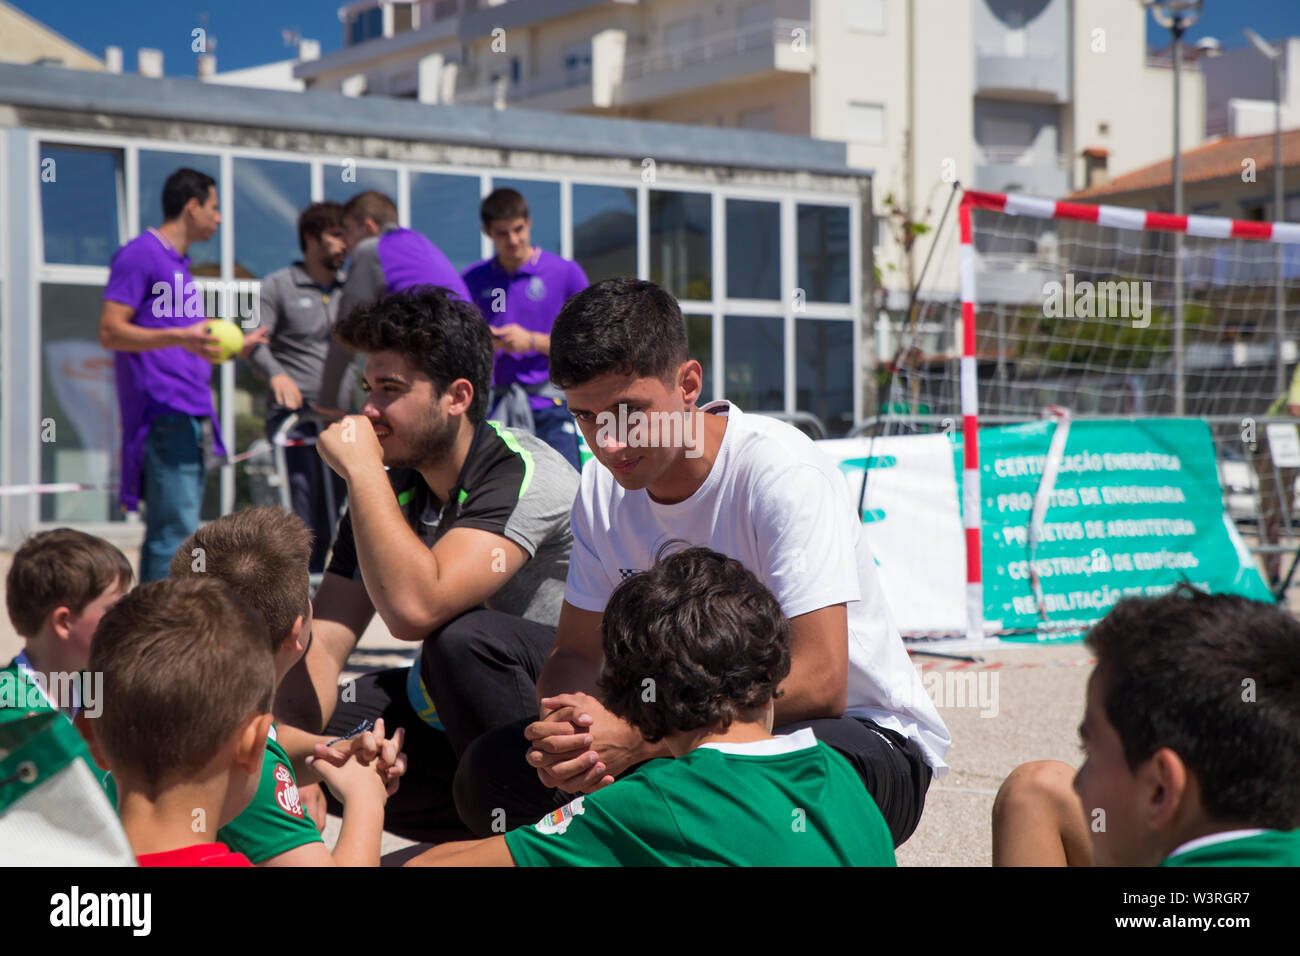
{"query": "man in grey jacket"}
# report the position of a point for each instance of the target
(300, 304)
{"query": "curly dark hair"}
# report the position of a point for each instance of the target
(435, 331)
(691, 643)
(623, 326)
(1174, 670)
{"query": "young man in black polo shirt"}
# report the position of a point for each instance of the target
(463, 543)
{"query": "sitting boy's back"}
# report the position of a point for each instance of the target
(695, 649)
(788, 801)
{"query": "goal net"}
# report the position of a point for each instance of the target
(1083, 309)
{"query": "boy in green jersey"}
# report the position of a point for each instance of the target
(60, 584)
(1192, 733)
(263, 554)
(695, 649)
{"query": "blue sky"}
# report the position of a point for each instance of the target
(248, 31)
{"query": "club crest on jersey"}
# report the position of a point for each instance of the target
(536, 289)
(625, 573)
(557, 821)
(286, 791)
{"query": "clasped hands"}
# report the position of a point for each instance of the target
(578, 746)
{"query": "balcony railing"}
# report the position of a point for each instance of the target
(718, 46)
(1038, 70)
(1017, 156)
(483, 93)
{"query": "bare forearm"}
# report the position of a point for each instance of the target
(298, 744)
(361, 833)
(809, 695)
(491, 851)
(134, 338)
(400, 571)
(566, 672)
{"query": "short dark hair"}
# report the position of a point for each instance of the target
(708, 634)
(371, 204)
(622, 325)
(316, 219)
(434, 330)
(1174, 670)
(502, 204)
(60, 568)
(182, 186)
(185, 662)
(263, 554)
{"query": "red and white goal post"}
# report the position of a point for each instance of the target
(1023, 264)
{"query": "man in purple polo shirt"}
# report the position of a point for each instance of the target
(383, 258)
(520, 291)
(152, 317)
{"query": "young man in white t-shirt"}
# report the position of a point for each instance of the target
(750, 487)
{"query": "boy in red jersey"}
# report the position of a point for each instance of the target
(188, 679)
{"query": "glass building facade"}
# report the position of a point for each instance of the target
(767, 274)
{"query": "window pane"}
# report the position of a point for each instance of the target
(604, 231)
(699, 345)
(543, 200)
(824, 253)
(865, 16)
(341, 182)
(865, 124)
(79, 397)
(401, 18)
(681, 243)
(268, 197)
(753, 249)
(755, 354)
(823, 370)
(445, 209)
(155, 167)
(80, 205)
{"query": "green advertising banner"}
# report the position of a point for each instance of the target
(1135, 507)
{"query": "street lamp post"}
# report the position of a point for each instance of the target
(1176, 16)
(1279, 281)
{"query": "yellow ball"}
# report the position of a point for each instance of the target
(230, 336)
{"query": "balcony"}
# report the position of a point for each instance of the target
(721, 58)
(1038, 76)
(557, 90)
(521, 14)
(783, 46)
(1001, 170)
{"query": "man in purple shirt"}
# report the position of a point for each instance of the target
(152, 317)
(383, 258)
(520, 291)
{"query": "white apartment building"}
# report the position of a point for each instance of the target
(1040, 96)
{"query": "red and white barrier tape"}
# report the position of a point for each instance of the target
(1209, 227)
(254, 452)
